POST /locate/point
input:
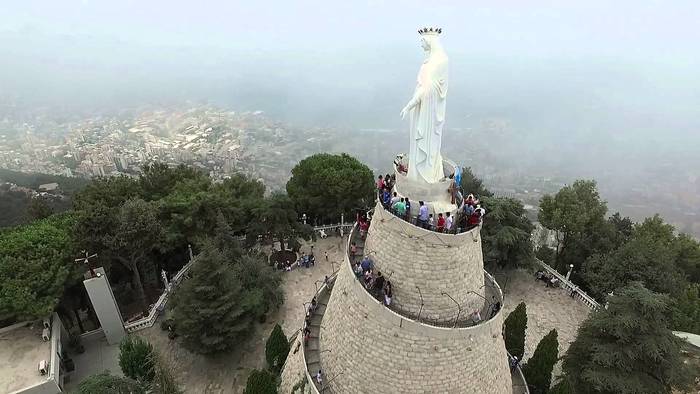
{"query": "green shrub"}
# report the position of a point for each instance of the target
(261, 382)
(104, 383)
(136, 359)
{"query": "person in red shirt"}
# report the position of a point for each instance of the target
(364, 226)
(380, 183)
(475, 218)
(440, 223)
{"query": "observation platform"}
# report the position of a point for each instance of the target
(434, 194)
(435, 270)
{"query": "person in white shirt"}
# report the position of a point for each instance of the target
(319, 377)
(395, 199)
(448, 223)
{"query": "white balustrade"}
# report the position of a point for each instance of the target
(569, 286)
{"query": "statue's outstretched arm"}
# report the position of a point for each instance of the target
(415, 100)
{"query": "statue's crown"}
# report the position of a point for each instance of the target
(429, 30)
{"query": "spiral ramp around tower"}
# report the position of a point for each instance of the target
(426, 341)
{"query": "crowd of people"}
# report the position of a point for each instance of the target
(306, 260)
(469, 214)
(374, 281)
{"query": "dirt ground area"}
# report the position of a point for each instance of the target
(547, 308)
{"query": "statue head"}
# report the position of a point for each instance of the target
(429, 37)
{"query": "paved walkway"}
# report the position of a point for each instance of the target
(547, 308)
(99, 356)
(228, 373)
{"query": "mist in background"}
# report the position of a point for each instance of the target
(601, 90)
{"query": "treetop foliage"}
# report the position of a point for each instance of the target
(226, 292)
(628, 347)
(506, 235)
(471, 184)
(35, 266)
(324, 185)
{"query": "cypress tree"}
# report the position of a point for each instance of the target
(213, 311)
(538, 370)
(276, 349)
(515, 326)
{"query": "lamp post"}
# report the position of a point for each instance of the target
(568, 274)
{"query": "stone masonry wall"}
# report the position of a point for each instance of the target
(412, 257)
(365, 347)
(294, 370)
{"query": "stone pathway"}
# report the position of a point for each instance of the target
(228, 373)
(547, 308)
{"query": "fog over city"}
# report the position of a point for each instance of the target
(598, 90)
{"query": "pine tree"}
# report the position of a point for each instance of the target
(276, 349)
(135, 359)
(515, 326)
(628, 347)
(261, 382)
(212, 309)
(538, 370)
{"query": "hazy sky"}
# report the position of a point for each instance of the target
(662, 29)
(551, 68)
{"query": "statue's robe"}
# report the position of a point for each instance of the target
(427, 119)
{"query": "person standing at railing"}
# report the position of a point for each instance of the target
(400, 208)
(380, 183)
(358, 270)
(378, 286)
(395, 199)
(407, 216)
(422, 214)
(440, 223)
(386, 198)
(448, 223)
(431, 222)
(452, 190)
(388, 293)
(476, 316)
(364, 226)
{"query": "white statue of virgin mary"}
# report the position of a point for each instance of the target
(426, 111)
